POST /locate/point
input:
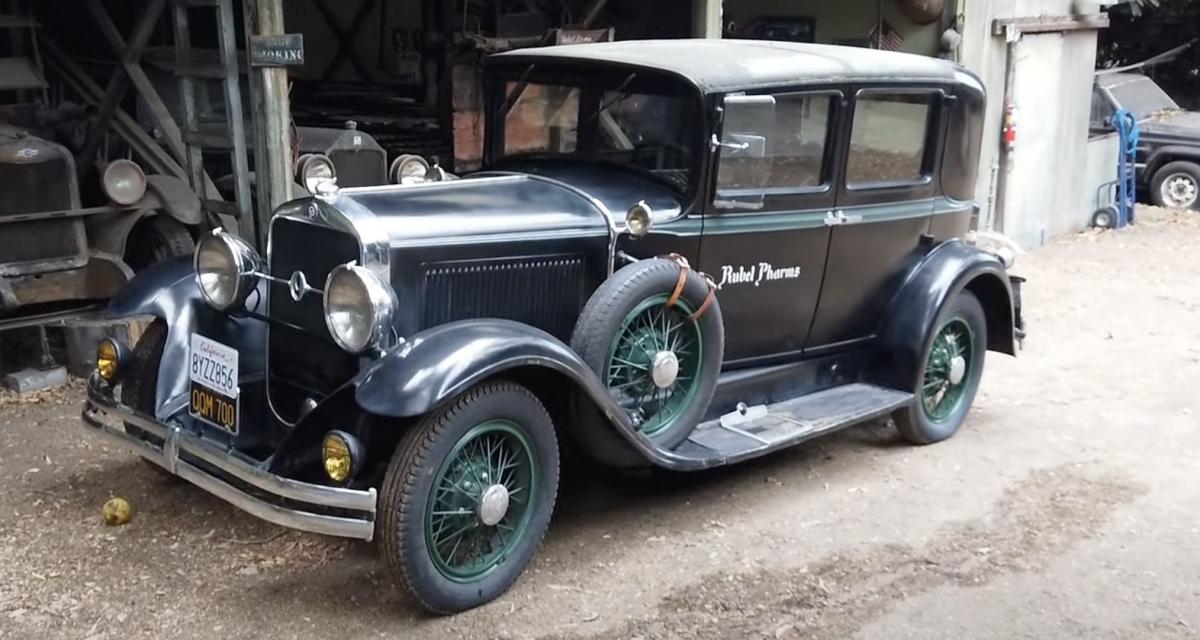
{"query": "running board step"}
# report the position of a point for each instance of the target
(761, 430)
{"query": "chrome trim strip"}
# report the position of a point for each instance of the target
(401, 188)
(176, 440)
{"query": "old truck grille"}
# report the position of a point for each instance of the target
(546, 291)
(31, 187)
(39, 240)
(302, 359)
(361, 168)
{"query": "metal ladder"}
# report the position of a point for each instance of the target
(188, 70)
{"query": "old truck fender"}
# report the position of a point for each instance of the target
(168, 292)
(1168, 153)
(444, 361)
(951, 267)
(175, 198)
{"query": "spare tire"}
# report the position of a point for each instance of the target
(643, 336)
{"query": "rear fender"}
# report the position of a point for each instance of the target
(950, 268)
(168, 291)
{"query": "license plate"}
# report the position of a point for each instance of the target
(213, 371)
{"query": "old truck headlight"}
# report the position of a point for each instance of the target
(225, 269)
(408, 169)
(341, 455)
(358, 307)
(313, 169)
(110, 359)
(124, 182)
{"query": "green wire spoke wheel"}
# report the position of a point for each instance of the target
(655, 361)
(659, 361)
(481, 497)
(468, 496)
(951, 367)
(947, 369)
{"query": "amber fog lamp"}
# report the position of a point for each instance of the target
(226, 269)
(110, 359)
(342, 456)
(638, 219)
(124, 182)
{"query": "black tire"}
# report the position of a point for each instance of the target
(1189, 172)
(916, 422)
(609, 308)
(155, 239)
(415, 472)
(140, 381)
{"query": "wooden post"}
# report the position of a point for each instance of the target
(272, 116)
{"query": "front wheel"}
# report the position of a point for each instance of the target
(1176, 185)
(952, 366)
(468, 496)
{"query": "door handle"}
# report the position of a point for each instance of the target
(850, 219)
(832, 219)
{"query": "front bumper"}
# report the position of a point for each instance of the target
(333, 511)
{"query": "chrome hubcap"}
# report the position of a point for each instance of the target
(1179, 190)
(664, 369)
(493, 506)
(958, 369)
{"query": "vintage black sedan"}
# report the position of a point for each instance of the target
(679, 254)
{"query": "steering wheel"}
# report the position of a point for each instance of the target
(659, 156)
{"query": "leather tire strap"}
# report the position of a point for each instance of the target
(683, 273)
(708, 300)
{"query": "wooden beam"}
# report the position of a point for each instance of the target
(1051, 24)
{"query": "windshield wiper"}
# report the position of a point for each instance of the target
(617, 98)
(516, 92)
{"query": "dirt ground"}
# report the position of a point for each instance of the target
(1066, 508)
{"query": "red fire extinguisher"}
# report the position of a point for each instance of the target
(1009, 129)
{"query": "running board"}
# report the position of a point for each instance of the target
(755, 431)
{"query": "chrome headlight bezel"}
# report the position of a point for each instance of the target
(314, 169)
(408, 169)
(376, 305)
(244, 263)
(123, 182)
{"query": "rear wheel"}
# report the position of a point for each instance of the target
(468, 496)
(952, 366)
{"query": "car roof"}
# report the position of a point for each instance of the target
(729, 65)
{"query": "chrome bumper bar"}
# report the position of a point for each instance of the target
(176, 441)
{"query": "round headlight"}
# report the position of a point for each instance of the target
(225, 269)
(124, 182)
(314, 169)
(358, 307)
(408, 169)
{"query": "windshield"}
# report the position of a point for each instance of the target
(1142, 97)
(636, 120)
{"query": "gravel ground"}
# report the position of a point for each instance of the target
(1066, 508)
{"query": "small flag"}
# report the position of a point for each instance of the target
(889, 40)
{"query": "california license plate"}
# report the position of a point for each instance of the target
(213, 371)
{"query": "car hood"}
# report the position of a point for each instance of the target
(1182, 125)
(530, 202)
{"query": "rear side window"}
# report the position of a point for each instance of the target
(888, 139)
(774, 143)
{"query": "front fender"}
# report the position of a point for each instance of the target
(168, 292)
(951, 267)
(442, 362)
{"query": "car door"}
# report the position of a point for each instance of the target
(765, 236)
(884, 204)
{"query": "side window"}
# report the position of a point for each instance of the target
(1102, 111)
(773, 143)
(888, 138)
